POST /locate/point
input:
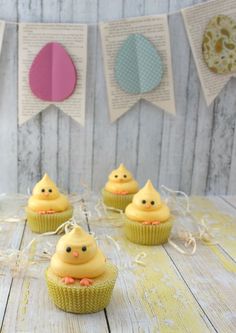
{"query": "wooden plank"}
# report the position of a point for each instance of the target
(105, 133)
(174, 126)
(63, 157)
(211, 284)
(29, 157)
(150, 122)
(221, 150)
(129, 124)
(191, 118)
(10, 237)
(221, 222)
(8, 102)
(202, 147)
(29, 308)
(81, 139)
(230, 199)
(186, 151)
(50, 12)
(146, 298)
(29, 138)
(232, 176)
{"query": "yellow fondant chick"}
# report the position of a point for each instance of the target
(147, 206)
(46, 199)
(78, 257)
(120, 181)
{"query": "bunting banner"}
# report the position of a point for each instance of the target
(2, 29)
(137, 62)
(211, 30)
(52, 69)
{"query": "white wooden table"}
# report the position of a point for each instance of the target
(171, 293)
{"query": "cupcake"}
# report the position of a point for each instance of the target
(79, 278)
(120, 188)
(148, 220)
(47, 208)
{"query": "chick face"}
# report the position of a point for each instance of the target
(76, 247)
(120, 175)
(45, 189)
(147, 199)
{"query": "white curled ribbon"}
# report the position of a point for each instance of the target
(189, 241)
(176, 203)
(19, 260)
(102, 214)
(139, 258)
(205, 233)
(110, 238)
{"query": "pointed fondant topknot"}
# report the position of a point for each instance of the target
(149, 187)
(52, 75)
(79, 236)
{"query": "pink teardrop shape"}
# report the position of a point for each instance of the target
(52, 75)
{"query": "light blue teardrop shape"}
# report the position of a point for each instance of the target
(138, 66)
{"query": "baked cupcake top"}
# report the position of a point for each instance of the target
(46, 199)
(121, 181)
(78, 257)
(147, 206)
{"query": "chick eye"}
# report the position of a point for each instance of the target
(143, 202)
(116, 176)
(152, 202)
(43, 190)
(84, 248)
(68, 249)
(50, 190)
(125, 176)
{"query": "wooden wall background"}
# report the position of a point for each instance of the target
(194, 151)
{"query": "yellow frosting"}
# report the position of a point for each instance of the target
(77, 256)
(147, 206)
(47, 198)
(120, 181)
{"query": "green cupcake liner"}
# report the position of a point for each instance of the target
(147, 234)
(117, 201)
(80, 299)
(41, 223)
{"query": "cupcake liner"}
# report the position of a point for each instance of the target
(41, 223)
(147, 234)
(117, 201)
(80, 299)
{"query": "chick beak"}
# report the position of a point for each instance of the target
(148, 205)
(46, 194)
(75, 254)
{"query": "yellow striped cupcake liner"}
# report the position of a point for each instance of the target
(147, 234)
(117, 201)
(41, 223)
(79, 299)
